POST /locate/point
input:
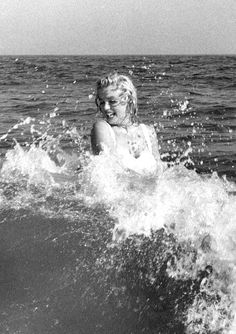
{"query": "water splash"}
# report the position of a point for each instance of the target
(198, 211)
(172, 231)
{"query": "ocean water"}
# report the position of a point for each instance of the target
(88, 247)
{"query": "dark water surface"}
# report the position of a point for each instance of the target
(87, 247)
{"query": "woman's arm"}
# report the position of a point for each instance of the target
(102, 137)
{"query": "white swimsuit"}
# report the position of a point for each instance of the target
(145, 163)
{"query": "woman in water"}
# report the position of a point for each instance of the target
(120, 133)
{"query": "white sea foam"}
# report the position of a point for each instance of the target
(195, 209)
(199, 210)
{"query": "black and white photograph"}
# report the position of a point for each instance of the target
(118, 167)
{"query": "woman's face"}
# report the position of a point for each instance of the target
(114, 106)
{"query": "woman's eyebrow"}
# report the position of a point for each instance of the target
(109, 98)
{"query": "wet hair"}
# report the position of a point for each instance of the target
(125, 84)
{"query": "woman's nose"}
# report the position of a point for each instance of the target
(106, 105)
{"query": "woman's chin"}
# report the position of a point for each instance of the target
(112, 120)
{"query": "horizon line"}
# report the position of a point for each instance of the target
(117, 55)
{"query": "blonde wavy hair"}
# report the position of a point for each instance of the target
(125, 84)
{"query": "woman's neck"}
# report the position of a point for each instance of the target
(125, 125)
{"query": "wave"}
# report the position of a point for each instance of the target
(170, 253)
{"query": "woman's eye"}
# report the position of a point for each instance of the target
(112, 102)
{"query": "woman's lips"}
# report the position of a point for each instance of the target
(110, 115)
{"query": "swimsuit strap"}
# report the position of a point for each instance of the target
(146, 136)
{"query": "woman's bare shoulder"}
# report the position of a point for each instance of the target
(100, 125)
(101, 135)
